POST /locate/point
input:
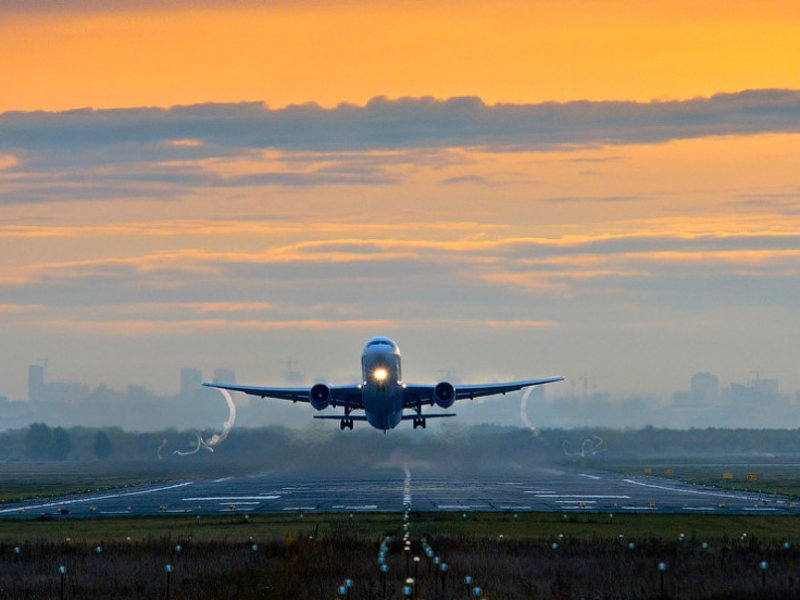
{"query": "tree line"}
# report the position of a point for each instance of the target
(478, 446)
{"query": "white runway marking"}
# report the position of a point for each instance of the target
(595, 477)
(94, 498)
(688, 491)
(228, 498)
(304, 507)
(598, 496)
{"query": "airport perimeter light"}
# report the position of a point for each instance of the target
(168, 569)
(63, 572)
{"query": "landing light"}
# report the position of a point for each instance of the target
(380, 374)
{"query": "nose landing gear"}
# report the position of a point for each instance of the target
(419, 422)
(346, 424)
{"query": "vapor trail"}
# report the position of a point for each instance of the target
(160, 448)
(523, 412)
(589, 447)
(217, 438)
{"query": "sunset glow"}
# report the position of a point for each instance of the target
(538, 185)
(330, 52)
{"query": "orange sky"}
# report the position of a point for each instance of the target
(629, 246)
(331, 52)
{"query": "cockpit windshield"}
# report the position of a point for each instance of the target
(381, 341)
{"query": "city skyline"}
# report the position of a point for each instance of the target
(758, 403)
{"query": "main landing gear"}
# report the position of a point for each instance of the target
(419, 422)
(347, 424)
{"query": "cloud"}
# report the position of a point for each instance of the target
(292, 278)
(407, 123)
(170, 154)
(8, 161)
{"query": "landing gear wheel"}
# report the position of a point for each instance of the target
(346, 424)
(419, 422)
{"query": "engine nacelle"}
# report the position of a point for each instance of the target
(320, 396)
(444, 394)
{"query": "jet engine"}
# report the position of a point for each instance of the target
(320, 396)
(444, 394)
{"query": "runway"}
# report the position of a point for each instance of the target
(564, 489)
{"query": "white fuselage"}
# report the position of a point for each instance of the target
(382, 388)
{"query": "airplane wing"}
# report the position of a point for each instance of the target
(414, 395)
(340, 394)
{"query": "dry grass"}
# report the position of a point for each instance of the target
(217, 561)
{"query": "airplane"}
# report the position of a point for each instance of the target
(382, 394)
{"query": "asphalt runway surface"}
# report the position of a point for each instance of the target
(546, 489)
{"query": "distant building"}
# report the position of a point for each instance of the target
(223, 375)
(758, 392)
(703, 391)
(190, 381)
(705, 388)
(35, 383)
(69, 392)
(766, 387)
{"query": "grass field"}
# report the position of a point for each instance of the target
(308, 557)
(763, 475)
(44, 479)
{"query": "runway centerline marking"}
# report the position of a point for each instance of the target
(228, 498)
(598, 496)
